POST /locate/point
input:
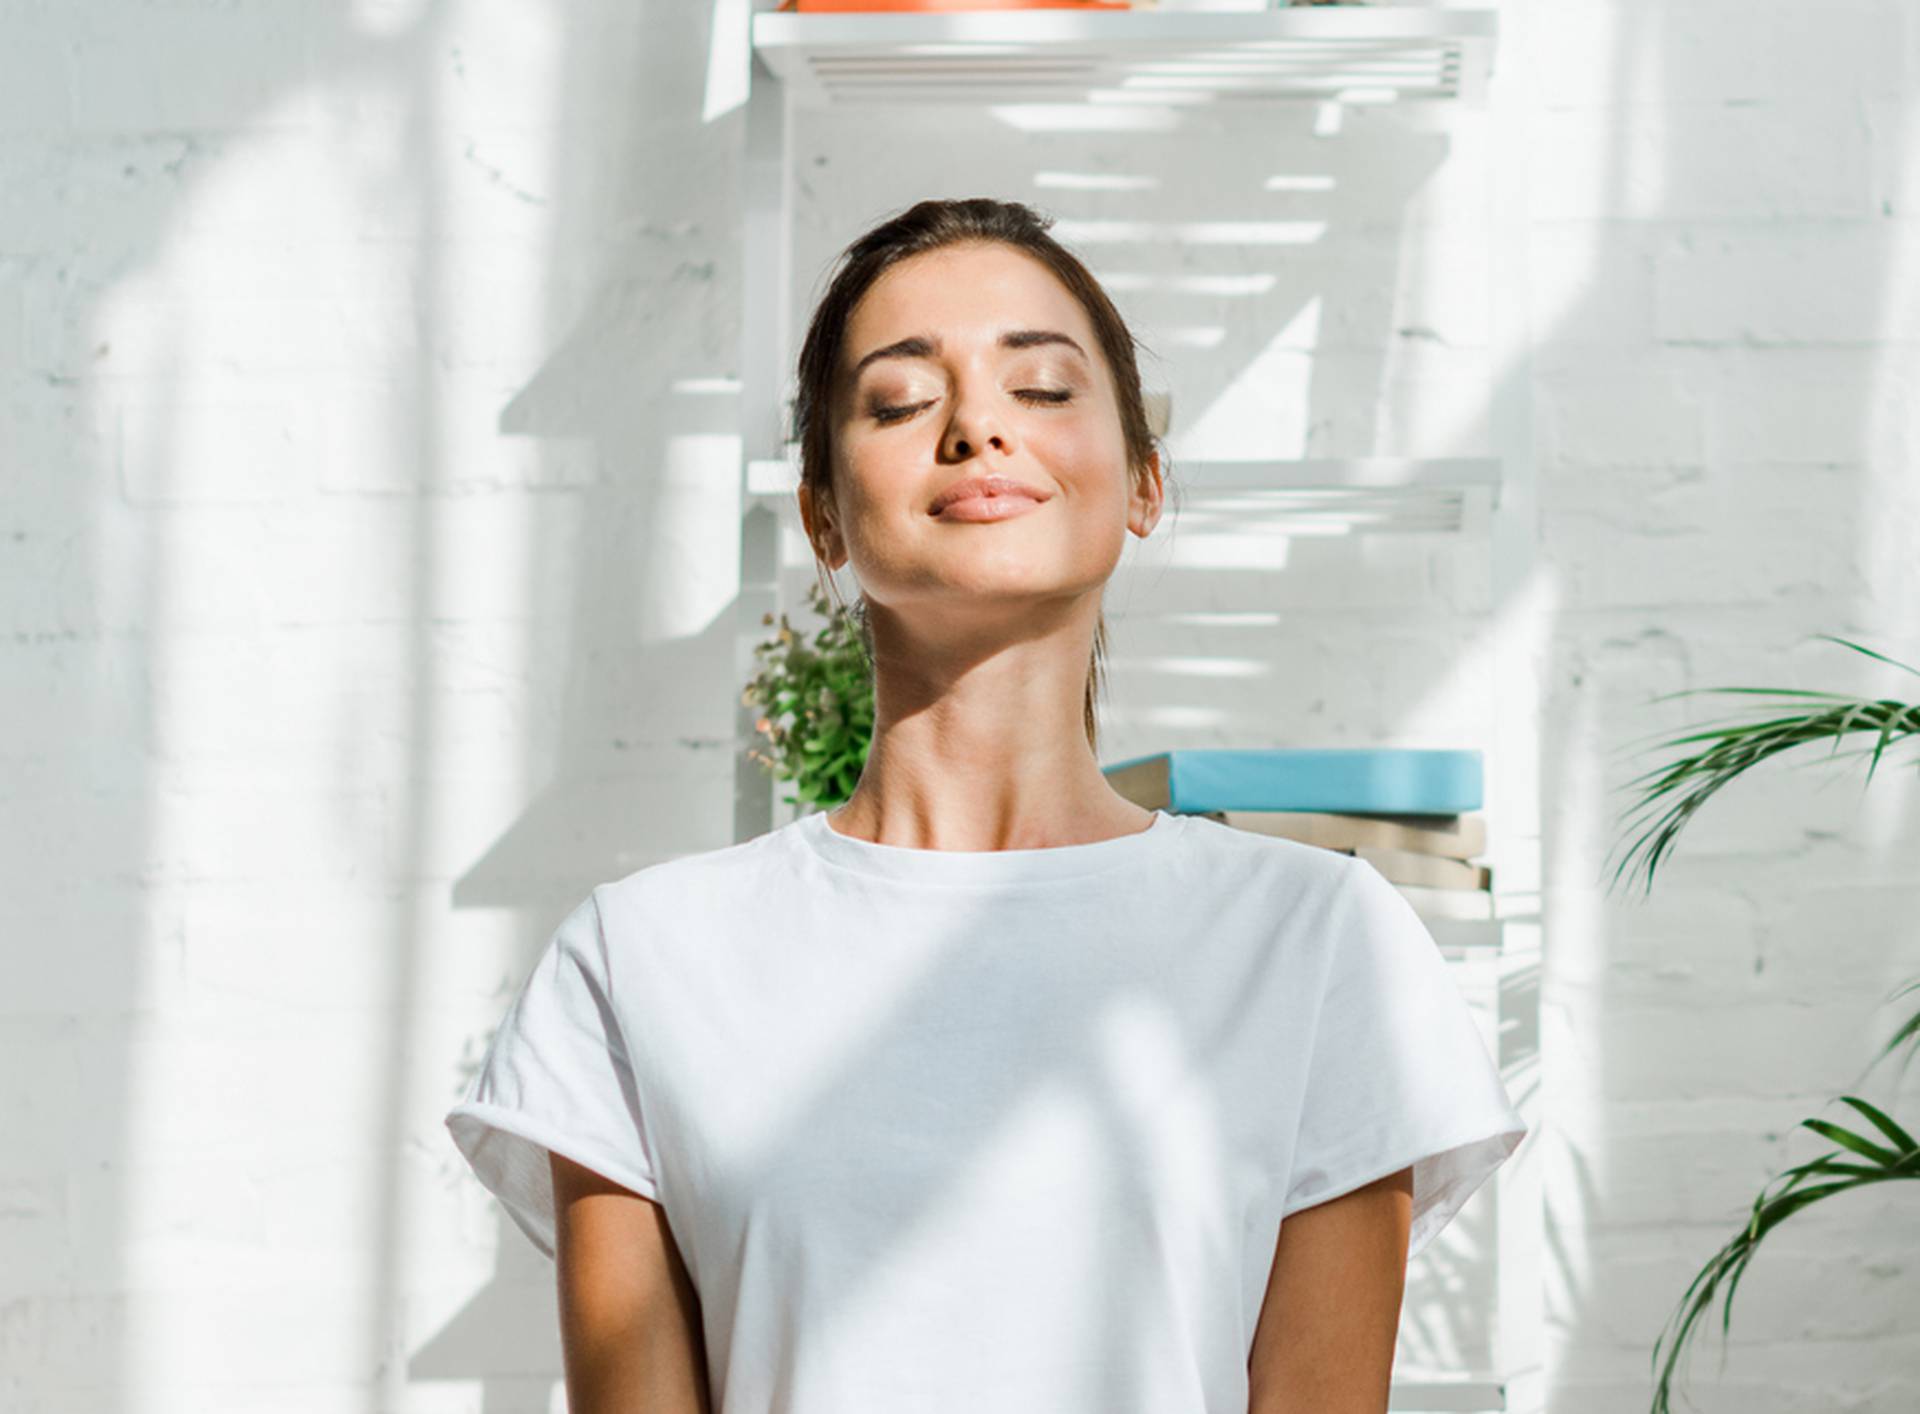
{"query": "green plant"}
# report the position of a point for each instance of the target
(816, 701)
(1682, 787)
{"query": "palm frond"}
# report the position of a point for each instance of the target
(1841, 1174)
(1846, 643)
(1683, 786)
(1906, 1034)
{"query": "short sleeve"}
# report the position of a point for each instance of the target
(1399, 1075)
(556, 1076)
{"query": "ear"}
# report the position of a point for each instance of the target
(828, 545)
(1146, 497)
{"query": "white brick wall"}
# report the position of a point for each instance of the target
(364, 587)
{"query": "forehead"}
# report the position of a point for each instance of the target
(963, 293)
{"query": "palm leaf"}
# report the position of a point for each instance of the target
(1770, 1209)
(1674, 792)
(1671, 795)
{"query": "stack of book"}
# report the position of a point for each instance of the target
(1407, 812)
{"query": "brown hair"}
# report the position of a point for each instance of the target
(931, 225)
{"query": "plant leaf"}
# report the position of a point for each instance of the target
(1848, 1139)
(1903, 1140)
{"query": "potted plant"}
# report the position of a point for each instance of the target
(816, 701)
(1887, 1152)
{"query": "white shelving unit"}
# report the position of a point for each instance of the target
(1352, 54)
(1116, 56)
(1372, 493)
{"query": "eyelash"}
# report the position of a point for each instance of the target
(1052, 396)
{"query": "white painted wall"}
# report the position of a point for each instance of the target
(368, 539)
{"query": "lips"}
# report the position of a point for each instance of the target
(986, 487)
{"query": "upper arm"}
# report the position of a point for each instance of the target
(1325, 1339)
(630, 1324)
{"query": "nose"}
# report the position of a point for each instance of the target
(973, 426)
(959, 447)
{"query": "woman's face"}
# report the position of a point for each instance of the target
(974, 361)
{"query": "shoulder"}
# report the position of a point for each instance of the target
(1304, 869)
(701, 885)
(1316, 900)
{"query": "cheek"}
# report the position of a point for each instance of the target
(877, 498)
(1088, 454)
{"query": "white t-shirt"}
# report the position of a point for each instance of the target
(1015, 1130)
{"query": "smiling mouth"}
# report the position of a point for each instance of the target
(1001, 506)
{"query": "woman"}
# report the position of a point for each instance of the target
(987, 1090)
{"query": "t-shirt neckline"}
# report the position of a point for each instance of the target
(984, 865)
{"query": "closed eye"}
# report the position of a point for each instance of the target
(1050, 396)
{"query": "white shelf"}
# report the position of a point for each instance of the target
(1373, 494)
(1359, 53)
(1472, 937)
(1431, 1394)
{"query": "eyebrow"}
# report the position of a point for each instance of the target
(927, 345)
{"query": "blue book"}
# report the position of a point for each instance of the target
(1352, 780)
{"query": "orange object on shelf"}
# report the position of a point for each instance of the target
(922, 6)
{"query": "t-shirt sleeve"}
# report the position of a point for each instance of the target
(556, 1076)
(1399, 1076)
